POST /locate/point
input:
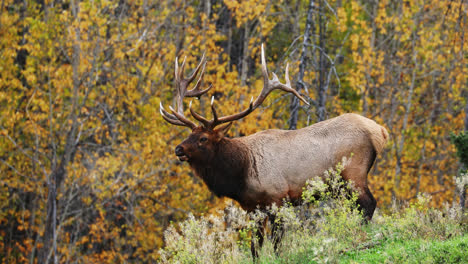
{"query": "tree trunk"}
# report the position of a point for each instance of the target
(294, 107)
(245, 54)
(49, 248)
(48, 253)
(322, 82)
(229, 42)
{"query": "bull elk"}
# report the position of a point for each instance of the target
(272, 165)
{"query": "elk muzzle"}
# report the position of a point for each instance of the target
(180, 153)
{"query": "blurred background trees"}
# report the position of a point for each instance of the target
(87, 171)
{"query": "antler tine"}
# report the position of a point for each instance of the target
(182, 69)
(286, 87)
(264, 66)
(182, 119)
(207, 123)
(267, 88)
(286, 76)
(180, 89)
(274, 83)
(195, 92)
(195, 72)
(181, 83)
(172, 119)
(165, 113)
(199, 117)
(213, 110)
(176, 70)
(184, 82)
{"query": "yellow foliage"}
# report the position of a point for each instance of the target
(80, 86)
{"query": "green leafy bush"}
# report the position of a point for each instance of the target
(461, 144)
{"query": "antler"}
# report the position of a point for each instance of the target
(177, 117)
(268, 87)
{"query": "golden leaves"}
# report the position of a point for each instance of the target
(96, 79)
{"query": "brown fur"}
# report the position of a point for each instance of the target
(226, 171)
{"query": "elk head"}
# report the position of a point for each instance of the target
(204, 141)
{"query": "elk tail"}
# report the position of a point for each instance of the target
(379, 138)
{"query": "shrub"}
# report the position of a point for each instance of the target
(461, 144)
(326, 227)
(204, 240)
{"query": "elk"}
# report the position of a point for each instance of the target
(272, 165)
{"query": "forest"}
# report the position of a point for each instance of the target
(88, 172)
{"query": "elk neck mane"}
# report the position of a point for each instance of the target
(226, 173)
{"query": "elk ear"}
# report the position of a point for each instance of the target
(221, 131)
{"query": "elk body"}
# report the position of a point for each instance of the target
(272, 165)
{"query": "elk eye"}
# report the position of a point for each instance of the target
(203, 139)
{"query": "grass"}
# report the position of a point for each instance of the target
(327, 230)
(454, 250)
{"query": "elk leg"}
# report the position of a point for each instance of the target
(259, 234)
(355, 172)
(367, 203)
(277, 232)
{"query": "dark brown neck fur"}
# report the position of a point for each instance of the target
(226, 173)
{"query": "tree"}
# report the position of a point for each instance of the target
(300, 85)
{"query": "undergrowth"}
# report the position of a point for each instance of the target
(326, 228)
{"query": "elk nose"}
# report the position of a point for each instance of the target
(179, 151)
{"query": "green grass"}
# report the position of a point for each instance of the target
(453, 250)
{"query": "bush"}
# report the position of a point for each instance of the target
(327, 227)
(461, 144)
